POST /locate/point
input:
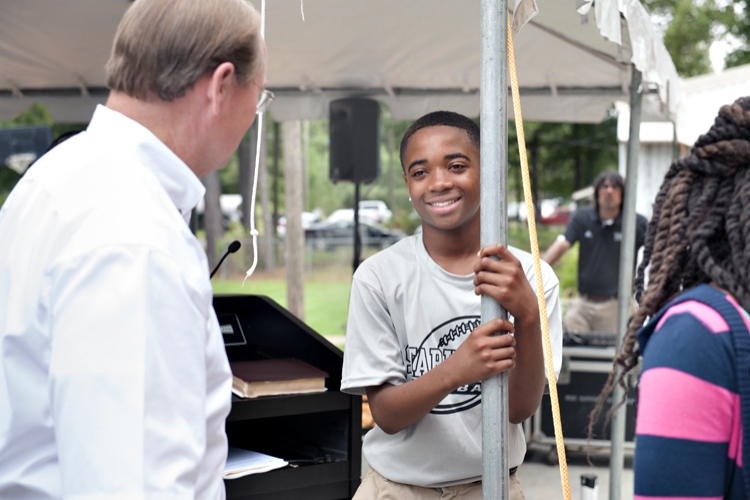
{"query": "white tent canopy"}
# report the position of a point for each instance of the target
(415, 56)
(704, 95)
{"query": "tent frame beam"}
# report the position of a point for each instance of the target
(614, 92)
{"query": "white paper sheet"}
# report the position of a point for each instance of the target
(241, 463)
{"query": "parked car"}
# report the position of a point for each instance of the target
(308, 218)
(340, 214)
(375, 209)
(327, 235)
(231, 209)
(560, 215)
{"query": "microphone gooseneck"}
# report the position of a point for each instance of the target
(233, 247)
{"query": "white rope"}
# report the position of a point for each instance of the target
(302, 9)
(253, 231)
(263, 19)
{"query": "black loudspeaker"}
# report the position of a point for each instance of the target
(355, 140)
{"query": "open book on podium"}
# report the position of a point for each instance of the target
(270, 377)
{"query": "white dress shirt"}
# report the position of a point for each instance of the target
(114, 382)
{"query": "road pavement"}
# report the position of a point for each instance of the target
(541, 481)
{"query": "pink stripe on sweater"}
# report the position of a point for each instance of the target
(644, 497)
(735, 440)
(740, 310)
(678, 405)
(703, 313)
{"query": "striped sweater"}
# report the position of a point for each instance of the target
(694, 384)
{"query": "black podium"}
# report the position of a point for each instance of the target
(318, 434)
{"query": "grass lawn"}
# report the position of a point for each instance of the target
(326, 300)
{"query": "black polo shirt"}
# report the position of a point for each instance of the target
(599, 252)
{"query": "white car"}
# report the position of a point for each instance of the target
(308, 218)
(230, 204)
(376, 210)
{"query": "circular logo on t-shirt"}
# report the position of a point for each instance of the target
(435, 348)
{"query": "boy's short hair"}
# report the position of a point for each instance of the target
(438, 118)
(163, 47)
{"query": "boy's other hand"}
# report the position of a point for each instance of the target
(505, 281)
(483, 353)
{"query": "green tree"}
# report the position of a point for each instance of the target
(565, 156)
(37, 114)
(740, 30)
(690, 27)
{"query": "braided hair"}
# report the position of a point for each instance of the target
(699, 233)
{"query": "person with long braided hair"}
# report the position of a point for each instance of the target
(694, 389)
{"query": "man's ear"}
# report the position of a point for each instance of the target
(219, 85)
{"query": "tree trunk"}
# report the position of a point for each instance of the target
(577, 173)
(392, 167)
(246, 159)
(269, 227)
(305, 164)
(212, 219)
(275, 186)
(534, 174)
(294, 248)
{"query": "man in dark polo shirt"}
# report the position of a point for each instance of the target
(598, 229)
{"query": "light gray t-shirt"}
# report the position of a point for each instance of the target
(406, 315)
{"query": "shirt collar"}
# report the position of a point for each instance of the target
(608, 222)
(181, 184)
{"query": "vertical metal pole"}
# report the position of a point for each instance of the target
(625, 286)
(494, 183)
(357, 239)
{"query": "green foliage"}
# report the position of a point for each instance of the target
(566, 268)
(229, 176)
(518, 235)
(37, 114)
(740, 29)
(568, 156)
(690, 26)
(8, 179)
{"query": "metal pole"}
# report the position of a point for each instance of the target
(494, 177)
(625, 286)
(357, 239)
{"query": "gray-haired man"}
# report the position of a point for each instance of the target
(113, 378)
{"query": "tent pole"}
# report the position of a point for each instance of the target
(494, 177)
(625, 287)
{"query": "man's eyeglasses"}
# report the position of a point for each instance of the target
(265, 99)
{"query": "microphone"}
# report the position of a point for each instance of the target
(233, 247)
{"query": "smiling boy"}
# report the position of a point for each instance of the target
(415, 342)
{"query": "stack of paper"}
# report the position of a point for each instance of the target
(243, 462)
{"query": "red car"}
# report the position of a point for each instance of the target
(561, 215)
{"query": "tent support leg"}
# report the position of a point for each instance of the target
(625, 287)
(494, 187)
